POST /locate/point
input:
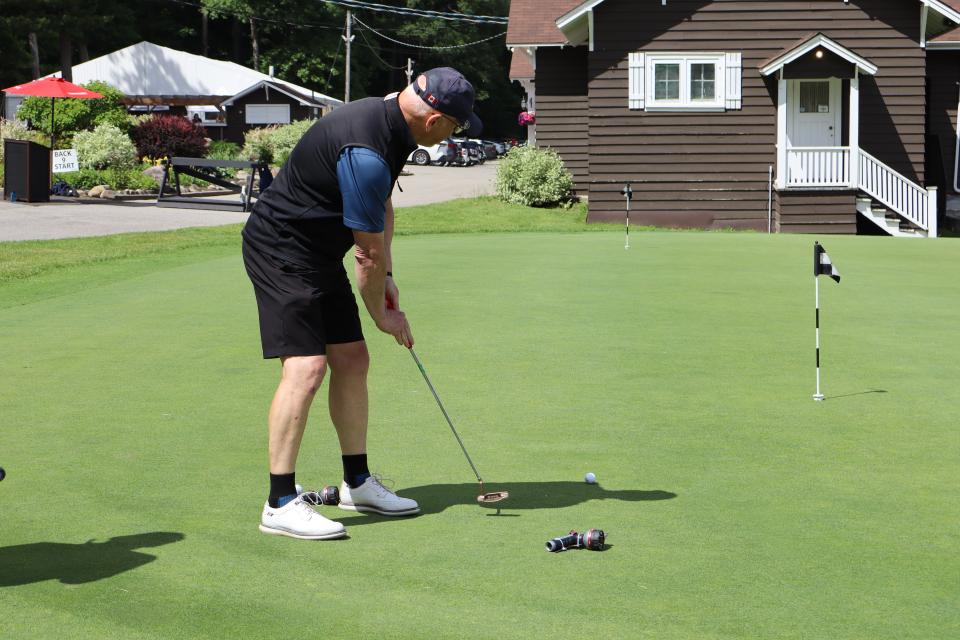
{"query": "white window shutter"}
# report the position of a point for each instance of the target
(734, 64)
(637, 87)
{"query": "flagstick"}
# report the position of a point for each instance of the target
(628, 192)
(818, 396)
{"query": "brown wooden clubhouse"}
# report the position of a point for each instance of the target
(826, 116)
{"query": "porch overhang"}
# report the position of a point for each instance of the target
(813, 43)
(944, 8)
(949, 41)
(577, 24)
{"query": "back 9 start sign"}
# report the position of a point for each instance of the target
(65, 160)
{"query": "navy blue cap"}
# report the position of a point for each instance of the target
(450, 93)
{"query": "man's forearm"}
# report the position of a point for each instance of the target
(371, 271)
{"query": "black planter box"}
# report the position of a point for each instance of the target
(27, 171)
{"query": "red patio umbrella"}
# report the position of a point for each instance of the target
(52, 88)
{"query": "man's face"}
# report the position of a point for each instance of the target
(438, 128)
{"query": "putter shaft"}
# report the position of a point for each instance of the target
(444, 411)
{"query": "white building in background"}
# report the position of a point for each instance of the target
(227, 97)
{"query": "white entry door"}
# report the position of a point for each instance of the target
(815, 113)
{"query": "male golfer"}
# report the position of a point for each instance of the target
(332, 194)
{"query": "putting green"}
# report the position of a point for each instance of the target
(681, 371)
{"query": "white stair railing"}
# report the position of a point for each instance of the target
(910, 200)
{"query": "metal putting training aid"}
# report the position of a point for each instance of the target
(483, 498)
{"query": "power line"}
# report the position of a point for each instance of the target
(418, 46)
(236, 15)
(374, 52)
(420, 13)
(333, 64)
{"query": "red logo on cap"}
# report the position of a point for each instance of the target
(432, 99)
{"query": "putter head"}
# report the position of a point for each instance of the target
(493, 496)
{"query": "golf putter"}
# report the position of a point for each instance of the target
(483, 498)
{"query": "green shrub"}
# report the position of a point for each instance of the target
(106, 146)
(533, 177)
(223, 150)
(258, 144)
(72, 116)
(273, 144)
(286, 138)
(115, 179)
(15, 131)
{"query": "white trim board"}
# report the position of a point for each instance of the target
(818, 41)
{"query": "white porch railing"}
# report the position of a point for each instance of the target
(818, 167)
(910, 200)
(830, 168)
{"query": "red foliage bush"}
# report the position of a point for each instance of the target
(168, 136)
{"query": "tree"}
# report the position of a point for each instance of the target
(485, 64)
(73, 116)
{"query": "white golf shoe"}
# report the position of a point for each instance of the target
(297, 519)
(373, 496)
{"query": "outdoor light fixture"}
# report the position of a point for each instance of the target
(819, 53)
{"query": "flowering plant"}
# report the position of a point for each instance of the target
(526, 118)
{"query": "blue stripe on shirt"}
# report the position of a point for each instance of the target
(365, 184)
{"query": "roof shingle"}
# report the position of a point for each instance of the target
(535, 21)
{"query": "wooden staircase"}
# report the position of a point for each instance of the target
(887, 220)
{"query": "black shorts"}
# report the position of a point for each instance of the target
(302, 310)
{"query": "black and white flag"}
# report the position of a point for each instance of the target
(822, 266)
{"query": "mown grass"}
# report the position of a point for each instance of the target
(132, 428)
(19, 260)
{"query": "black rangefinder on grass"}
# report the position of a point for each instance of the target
(593, 539)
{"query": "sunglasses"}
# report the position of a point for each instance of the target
(458, 127)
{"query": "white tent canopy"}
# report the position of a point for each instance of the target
(149, 70)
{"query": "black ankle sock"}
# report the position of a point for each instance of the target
(355, 471)
(281, 485)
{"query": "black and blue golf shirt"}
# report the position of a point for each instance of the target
(337, 179)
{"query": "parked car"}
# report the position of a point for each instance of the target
(489, 149)
(427, 155)
(501, 146)
(459, 155)
(472, 152)
(485, 149)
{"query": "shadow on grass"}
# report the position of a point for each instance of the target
(859, 393)
(435, 498)
(78, 563)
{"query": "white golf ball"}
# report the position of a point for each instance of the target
(590, 478)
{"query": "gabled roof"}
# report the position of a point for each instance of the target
(147, 69)
(949, 8)
(949, 41)
(808, 44)
(949, 36)
(533, 22)
(275, 86)
(574, 24)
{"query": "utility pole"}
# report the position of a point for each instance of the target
(348, 38)
(409, 71)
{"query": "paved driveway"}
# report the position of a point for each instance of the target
(70, 219)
